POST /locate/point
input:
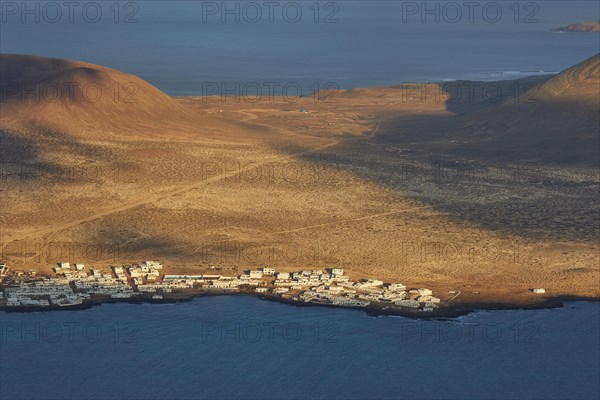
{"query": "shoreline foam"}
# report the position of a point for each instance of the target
(443, 312)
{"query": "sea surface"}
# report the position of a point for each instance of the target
(241, 347)
(188, 47)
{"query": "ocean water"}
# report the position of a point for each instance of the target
(235, 347)
(185, 47)
(241, 347)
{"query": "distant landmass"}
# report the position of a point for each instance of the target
(580, 27)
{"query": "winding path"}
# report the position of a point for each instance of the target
(54, 230)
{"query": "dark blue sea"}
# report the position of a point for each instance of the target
(185, 47)
(241, 347)
(235, 347)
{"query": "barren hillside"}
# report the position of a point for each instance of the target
(293, 184)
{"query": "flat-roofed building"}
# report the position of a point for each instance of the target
(255, 274)
(397, 287)
(283, 275)
(408, 303)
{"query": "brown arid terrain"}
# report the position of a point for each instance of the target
(581, 27)
(488, 188)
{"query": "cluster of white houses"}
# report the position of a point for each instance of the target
(73, 285)
(43, 293)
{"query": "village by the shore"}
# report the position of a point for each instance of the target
(73, 284)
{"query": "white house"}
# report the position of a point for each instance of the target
(334, 289)
(397, 287)
(96, 273)
(283, 275)
(428, 299)
(408, 303)
(3, 269)
(152, 264)
(341, 278)
(255, 274)
(135, 273)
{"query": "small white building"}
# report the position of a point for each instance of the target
(428, 299)
(397, 287)
(539, 290)
(334, 289)
(283, 282)
(255, 274)
(268, 271)
(64, 265)
(152, 264)
(283, 275)
(408, 303)
(79, 267)
(341, 278)
(135, 273)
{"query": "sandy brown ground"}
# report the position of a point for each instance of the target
(298, 184)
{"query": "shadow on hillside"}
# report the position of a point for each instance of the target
(466, 97)
(523, 169)
(552, 132)
(20, 160)
(25, 156)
